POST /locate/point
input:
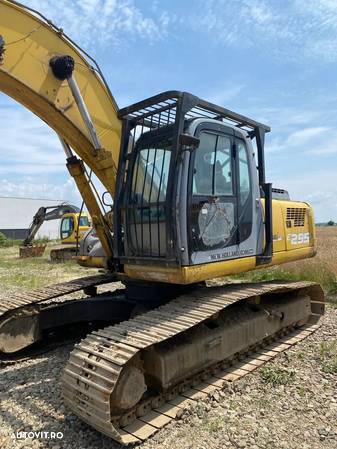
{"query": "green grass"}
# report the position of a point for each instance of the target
(328, 356)
(26, 274)
(7, 243)
(301, 391)
(275, 375)
(23, 281)
(332, 300)
(300, 355)
(213, 425)
(314, 273)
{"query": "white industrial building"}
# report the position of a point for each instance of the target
(17, 214)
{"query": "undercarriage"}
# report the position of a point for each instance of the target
(131, 378)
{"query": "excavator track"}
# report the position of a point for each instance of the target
(108, 382)
(19, 314)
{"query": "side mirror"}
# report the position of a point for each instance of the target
(107, 199)
(188, 141)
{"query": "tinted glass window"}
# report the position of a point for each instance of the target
(83, 221)
(67, 227)
(223, 167)
(204, 164)
(243, 173)
(147, 209)
(150, 175)
(244, 198)
(212, 166)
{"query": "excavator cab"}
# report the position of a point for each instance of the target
(188, 186)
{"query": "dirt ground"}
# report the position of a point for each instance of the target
(291, 403)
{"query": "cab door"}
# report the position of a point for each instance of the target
(146, 211)
(221, 220)
(66, 229)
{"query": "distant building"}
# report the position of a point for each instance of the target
(16, 215)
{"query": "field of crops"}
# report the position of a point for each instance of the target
(327, 247)
(322, 268)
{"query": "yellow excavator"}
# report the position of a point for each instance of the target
(74, 224)
(190, 204)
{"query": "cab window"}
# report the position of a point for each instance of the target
(244, 180)
(84, 221)
(244, 195)
(223, 172)
(67, 227)
(212, 175)
(150, 176)
(147, 209)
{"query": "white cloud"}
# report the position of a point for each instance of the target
(225, 94)
(31, 169)
(292, 30)
(298, 130)
(32, 160)
(315, 141)
(326, 146)
(27, 142)
(305, 135)
(30, 187)
(284, 118)
(109, 22)
(287, 29)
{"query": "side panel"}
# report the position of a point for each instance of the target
(298, 224)
(285, 249)
(293, 225)
(279, 239)
(198, 273)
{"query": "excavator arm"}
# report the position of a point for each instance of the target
(45, 214)
(76, 102)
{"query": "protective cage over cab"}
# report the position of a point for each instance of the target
(188, 185)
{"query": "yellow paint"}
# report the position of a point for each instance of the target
(198, 273)
(279, 242)
(91, 261)
(284, 252)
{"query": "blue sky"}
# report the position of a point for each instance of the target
(272, 60)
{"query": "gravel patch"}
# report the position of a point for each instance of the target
(250, 413)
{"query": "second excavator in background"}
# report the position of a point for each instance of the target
(74, 224)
